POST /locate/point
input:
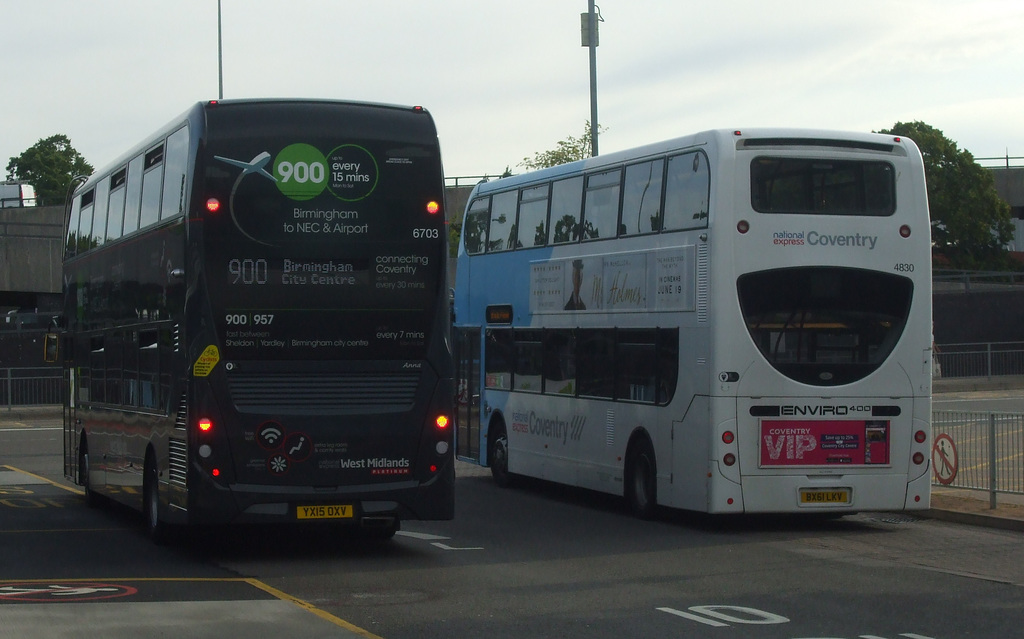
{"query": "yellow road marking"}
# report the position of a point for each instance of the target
(70, 489)
(323, 614)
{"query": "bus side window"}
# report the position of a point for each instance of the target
(641, 199)
(152, 183)
(502, 232)
(566, 202)
(97, 367)
(529, 358)
(686, 192)
(475, 231)
(533, 217)
(601, 210)
(596, 358)
(637, 363)
(668, 364)
(115, 367)
(77, 206)
(149, 367)
(130, 392)
(499, 358)
(98, 233)
(175, 165)
(559, 362)
(115, 212)
(133, 195)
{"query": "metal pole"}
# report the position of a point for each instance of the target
(992, 475)
(220, 57)
(592, 20)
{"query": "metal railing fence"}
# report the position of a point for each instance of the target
(979, 451)
(972, 450)
(986, 359)
(40, 386)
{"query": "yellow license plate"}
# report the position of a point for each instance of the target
(332, 511)
(825, 496)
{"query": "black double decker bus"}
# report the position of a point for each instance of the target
(256, 326)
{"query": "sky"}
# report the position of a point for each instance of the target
(505, 80)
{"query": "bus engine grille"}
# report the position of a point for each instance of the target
(304, 393)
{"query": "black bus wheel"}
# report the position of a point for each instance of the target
(156, 529)
(91, 498)
(497, 456)
(641, 480)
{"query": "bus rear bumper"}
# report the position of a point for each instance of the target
(367, 506)
(834, 493)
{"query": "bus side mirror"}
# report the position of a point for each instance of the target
(51, 347)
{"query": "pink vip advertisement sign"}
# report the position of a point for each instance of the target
(824, 443)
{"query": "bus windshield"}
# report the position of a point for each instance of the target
(327, 251)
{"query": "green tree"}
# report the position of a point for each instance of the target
(567, 150)
(49, 165)
(970, 222)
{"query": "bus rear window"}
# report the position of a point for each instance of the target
(825, 326)
(822, 186)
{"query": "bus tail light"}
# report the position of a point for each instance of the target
(205, 424)
(905, 231)
(213, 205)
(918, 458)
(442, 422)
(728, 437)
(743, 226)
(920, 437)
(729, 459)
(433, 207)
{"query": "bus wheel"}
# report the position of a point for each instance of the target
(156, 529)
(641, 480)
(497, 457)
(91, 498)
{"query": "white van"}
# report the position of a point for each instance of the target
(17, 194)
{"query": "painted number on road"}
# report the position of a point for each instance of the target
(724, 616)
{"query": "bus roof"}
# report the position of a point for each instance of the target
(713, 137)
(194, 113)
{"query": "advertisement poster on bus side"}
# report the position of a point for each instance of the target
(637, 281)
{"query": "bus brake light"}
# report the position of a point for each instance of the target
(442, 422)
(205, 424)
(433, 207)
(213, 205)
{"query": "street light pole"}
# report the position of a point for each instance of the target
(592, 38)
(220, 57)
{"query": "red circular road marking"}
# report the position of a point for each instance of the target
(50, 592)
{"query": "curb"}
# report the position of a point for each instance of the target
(974, 519)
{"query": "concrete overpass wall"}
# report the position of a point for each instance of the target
(31, 250)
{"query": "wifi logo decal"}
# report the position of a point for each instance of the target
(269, 435)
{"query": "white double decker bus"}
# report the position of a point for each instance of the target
(729, 322)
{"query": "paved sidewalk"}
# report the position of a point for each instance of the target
(948, 504)
(974, 507)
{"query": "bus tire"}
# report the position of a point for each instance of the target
(155, 528)
(497, 455)
(91, 498)
(641, 485)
